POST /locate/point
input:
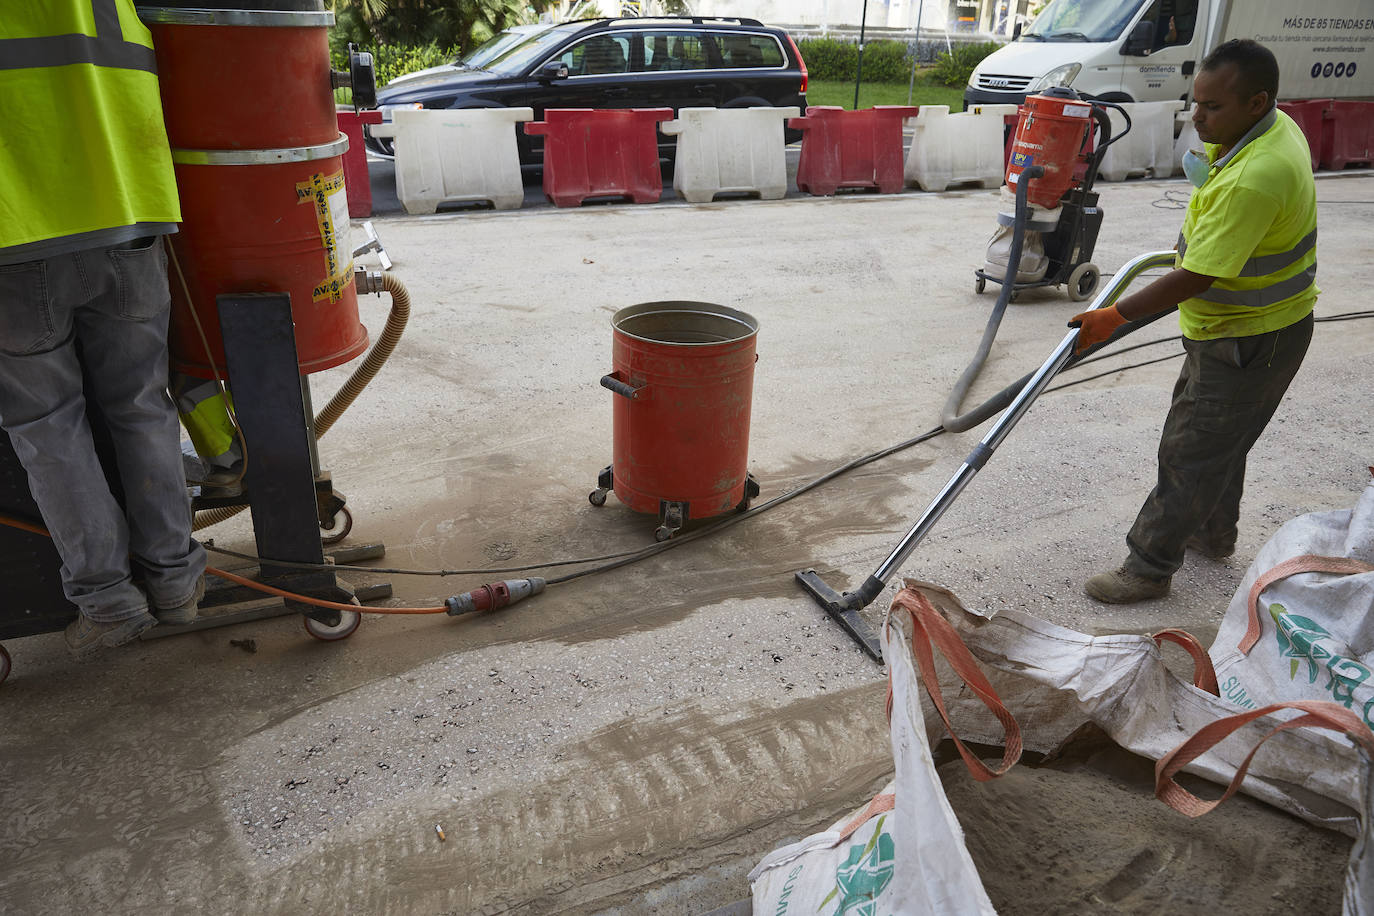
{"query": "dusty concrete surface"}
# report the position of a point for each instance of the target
(635, 741)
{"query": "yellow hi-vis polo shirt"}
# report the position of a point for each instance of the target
(84, 158)
(1253, 225)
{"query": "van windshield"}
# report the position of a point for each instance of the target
(1082, 20)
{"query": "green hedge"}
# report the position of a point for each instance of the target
(954, 67)
(392, 61)
(832, 59)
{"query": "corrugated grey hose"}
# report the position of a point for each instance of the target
(949, 418)
(366, 372)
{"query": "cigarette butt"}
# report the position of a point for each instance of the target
(440, 830)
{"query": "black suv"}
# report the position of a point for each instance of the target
(673, 63)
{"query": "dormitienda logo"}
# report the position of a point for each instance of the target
(863, 875)
(1303, 639)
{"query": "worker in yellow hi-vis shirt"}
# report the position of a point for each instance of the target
(86, 195)
(1245, 287)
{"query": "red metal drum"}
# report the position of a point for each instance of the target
(1050, 133)
(685, 373)
(249, 108)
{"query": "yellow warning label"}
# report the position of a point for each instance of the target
(327, 193)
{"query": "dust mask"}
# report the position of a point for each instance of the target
(1196, 167)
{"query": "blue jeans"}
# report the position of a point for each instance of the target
(104, 311)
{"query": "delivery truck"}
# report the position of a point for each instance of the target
(1149, 50)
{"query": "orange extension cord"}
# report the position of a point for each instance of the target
(271, 590)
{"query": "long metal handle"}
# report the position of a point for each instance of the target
(1018, 407)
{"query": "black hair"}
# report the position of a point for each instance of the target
(1254, 63)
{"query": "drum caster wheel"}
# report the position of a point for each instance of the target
(337, 536)
(980, 285)
(1083, 282)
(663, 533)
(348, 622)
(5, 664)
(597, 497)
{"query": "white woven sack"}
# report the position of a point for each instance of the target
(909, 860)
(1313, 636)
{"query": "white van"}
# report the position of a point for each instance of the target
(1149, 50)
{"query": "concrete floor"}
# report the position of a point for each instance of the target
(634, 741)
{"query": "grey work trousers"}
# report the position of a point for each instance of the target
(104, 310)
(1225, 396)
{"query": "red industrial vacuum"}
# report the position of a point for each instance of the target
(684, 380)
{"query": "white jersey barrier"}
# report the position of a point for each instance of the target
(456, 155)
(730, 151)
(968, 147)
(1149, 147)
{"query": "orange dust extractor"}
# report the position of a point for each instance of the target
(248, 99)
(684, 379)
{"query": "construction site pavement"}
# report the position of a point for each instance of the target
(634, 741)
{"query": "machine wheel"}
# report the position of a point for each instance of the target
(348, 622)
(980, 285)
(597, 497)
(5, 664)
(662, 533)
(1083, 282)
(337, 536)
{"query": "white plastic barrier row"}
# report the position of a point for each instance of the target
(730, 150)
(1148, 148)
(1187, 138)
(962, 148)
(447, 155)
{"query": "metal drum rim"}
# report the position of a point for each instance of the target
(283, 156)
(257, 18)
(704, 308)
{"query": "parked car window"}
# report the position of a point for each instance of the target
(661, 51)
(598, 54)
(750, 51)
(515, 59)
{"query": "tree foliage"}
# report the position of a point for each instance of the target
(461, 24)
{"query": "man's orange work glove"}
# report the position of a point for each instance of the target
(1095, 326)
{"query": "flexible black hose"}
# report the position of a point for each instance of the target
(949, 414)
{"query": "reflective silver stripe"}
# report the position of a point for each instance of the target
(1267, 264)
(106, 48)
(64, 50)
(1265, 295)
(260, 156)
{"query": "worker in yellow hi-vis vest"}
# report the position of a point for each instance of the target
(86, 195)
(1245, 286)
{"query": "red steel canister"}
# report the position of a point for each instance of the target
(1049, 133)
(248, 102)
(685, 374)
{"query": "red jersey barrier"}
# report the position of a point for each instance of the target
(1307, 114)
(851, 149)
(356, 180)
(1347, 134)
(601, 153)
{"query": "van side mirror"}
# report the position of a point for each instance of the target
(553, 70)
(1141, 39)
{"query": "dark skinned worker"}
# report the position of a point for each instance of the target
(86, 194)
(1245, 288)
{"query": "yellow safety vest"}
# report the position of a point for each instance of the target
(1253, 225)
(82, 147)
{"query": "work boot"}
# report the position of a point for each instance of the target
(183, 613)
(85, 636)
(1212, 550)
(1122, 587)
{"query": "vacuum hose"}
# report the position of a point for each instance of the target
(949, 417)
(368, 282)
